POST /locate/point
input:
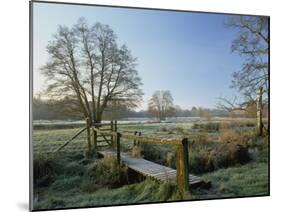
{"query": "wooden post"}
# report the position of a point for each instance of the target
(111, 129)
(114, 130)
(115, 125)
(88, 135)
(259, 111)
(135, 141)
(118, 147)
(182, 167)
(94, 140)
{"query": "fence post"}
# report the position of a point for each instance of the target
(94, 140)
(135, 141)
(138, 142)
(88, 134)
(182, 167)
(114, 130)
(115, 125)
(118, 135)
(111, 129)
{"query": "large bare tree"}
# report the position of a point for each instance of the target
(252, 43)
(161, 104)
(87, 65)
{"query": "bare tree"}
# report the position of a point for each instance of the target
(204, 113)
(252, 80)
(86, 63)
(161, 104)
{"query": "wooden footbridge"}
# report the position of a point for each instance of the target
(104, 139)
(151, 169)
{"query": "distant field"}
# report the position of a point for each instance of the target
(49, 135)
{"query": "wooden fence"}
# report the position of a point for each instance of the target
(181, 152)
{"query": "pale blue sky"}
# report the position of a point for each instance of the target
(186, 53)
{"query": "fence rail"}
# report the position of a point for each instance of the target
(71, 139)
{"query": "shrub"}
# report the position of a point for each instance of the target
(179, 130)
(198, 160)
(210, 126)
(226, 155)
(226, 125)
(106, 171)
(198, 140)
(88, 186)
(172, 130)
(205, 158)
(42, 170)
(233, 136)
(237, 124)
(156, 152)
(73, 168)
(164, 129)
(196, 126)
(66, 183)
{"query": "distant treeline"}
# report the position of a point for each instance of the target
(178, 112)
(61, 110)
(52, 110)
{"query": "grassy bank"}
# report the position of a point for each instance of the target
(76, 181)
(246, 180)
(144, 192)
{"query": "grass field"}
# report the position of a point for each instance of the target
(73, 180)
(246, 180)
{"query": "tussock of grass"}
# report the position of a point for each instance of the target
(136, 151)
(170, 160)
(106, 171)
(66, 183)
(73, 168)
(43, 171)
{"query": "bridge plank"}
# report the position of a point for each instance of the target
(151, 169)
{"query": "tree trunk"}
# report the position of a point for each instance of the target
(98, 117)
(259, 112)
